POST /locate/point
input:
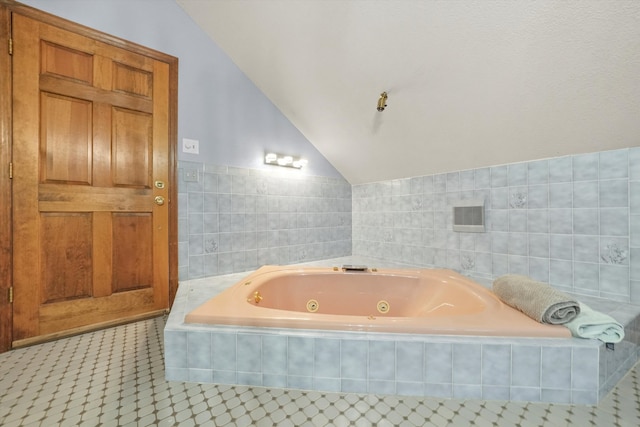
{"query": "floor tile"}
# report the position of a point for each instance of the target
(115, 377)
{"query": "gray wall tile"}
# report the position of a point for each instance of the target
(561, 246)
(614, 279)
(584, 362)
(525, 366)
(467, 364)
(327, 358)
(538, 172)
(614, 193)
(199, 350)
(499, 176)
(585, 194)
(614, 164)
(585, 167)
(538, 196)
(538, 220)
(614, 222)
(561, 272)
(539, 269)
(274, 354)
(561, 195)
(482, 178)
(224, 352)
(496, 364)
(560, 169)
(586, 221)
(556, 367)
(586, 277)
(586, 248)
(300, 355)
(523, 394)
(249, 353)
(438, 363)
(518, 220)
(353, 355)
(409, 361)
(517, 174)
(175, 348)
(561, 221)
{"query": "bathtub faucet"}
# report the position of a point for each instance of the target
(257, 297)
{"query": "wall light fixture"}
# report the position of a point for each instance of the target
(284, 160)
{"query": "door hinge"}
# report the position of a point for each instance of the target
(10, 170)
(10, 46)
(11, 295)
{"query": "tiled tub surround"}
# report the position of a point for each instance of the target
(234, 219)
(573, 222)
(550, 370)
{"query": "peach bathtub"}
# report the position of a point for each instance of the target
(386, 300)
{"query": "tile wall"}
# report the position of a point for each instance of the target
(571, 221)
(437, 367)
(233, 219)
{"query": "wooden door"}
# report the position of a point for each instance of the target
(91, 182)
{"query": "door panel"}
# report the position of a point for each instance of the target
(64, 119)
(132, 251)
(61, 61)
(91, 137)
(65, 267)
(132, 144)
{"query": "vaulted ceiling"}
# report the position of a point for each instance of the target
(469, 83)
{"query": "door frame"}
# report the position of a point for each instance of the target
(6, 267)
(7, 8)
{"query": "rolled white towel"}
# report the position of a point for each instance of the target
(596, 325)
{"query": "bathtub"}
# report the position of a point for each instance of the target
(425, 301)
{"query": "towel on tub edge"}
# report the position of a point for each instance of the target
(593, 324)
(537, 300)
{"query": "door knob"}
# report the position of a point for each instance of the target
(159, 200)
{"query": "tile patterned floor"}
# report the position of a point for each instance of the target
(115, 377)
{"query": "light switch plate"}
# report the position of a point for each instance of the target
(191, 146)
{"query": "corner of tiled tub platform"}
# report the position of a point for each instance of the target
(523, 369)
(616, 362)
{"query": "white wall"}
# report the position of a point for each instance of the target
(218, 105)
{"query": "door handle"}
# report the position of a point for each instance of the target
(159, 200)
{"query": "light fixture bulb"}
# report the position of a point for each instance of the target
(284, 160)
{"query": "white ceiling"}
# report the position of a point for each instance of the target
(470, 83)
